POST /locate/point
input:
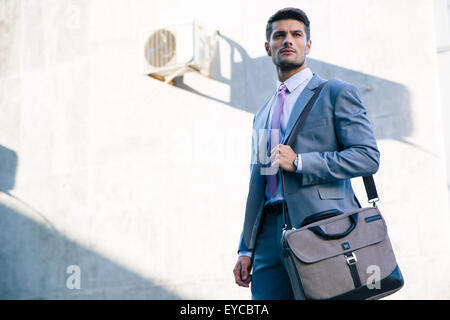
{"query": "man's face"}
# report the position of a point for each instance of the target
(288, 46)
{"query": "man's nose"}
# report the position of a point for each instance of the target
(288, 40)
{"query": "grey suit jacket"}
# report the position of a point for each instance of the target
(336, 144)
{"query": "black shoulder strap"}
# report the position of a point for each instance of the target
(302, 118)
(369, 183)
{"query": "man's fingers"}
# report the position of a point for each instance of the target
(274, 150)
(246, 267)
(273, 157)
(284, 149)
(274, 154)
(281, 156)
(277, 150)
(237, 273)
(237, 277)
(242, 283)
(244, 272)
(244, 275)
(241, 273)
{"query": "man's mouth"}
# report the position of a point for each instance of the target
(287, 51)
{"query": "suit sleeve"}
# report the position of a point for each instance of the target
(242, 247)
(254, 151)
(358, 154)
(253, 158)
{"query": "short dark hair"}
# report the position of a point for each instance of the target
(288, 13)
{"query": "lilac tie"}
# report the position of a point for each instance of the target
(272, 180)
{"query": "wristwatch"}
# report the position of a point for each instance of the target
(296, 162)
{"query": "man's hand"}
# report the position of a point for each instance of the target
(283, 156)
(242, 271)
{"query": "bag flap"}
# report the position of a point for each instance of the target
(308, 247)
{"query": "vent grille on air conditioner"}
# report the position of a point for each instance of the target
(160, 48)
(172, 48)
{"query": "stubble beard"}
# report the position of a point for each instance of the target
(288, 65)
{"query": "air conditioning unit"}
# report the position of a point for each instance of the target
(177, 49)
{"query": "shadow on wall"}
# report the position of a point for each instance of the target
(34, 258)
(253, 81)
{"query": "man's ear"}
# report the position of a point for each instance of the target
(308, 46)
(269, 52)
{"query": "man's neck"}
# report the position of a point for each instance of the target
(283, 75)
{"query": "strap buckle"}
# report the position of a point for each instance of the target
(351, 259)
(374, 201)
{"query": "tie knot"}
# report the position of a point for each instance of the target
(282, 89)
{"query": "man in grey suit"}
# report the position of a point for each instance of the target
(335, 144)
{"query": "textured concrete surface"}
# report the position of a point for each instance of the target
(442, 27)
(143, 185)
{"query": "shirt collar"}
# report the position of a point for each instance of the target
(294, 81)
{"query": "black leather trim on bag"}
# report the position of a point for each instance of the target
(388, 285)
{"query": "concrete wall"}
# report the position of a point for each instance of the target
(442, 27)
(143, 185)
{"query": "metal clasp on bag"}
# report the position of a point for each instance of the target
(374, 202)
(351, 260)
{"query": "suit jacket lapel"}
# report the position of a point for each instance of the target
(262, 121)
(300, 104)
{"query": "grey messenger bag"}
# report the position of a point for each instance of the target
(337, 255)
